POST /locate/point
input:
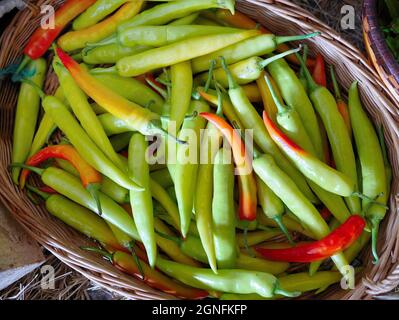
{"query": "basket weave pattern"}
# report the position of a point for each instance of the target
(280, 16)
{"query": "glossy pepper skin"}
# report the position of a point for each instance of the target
(340, 141)
(88, 174)
(337, 241)
(26, 115)
(240, 20)
(374, 181)
(227, 280)
(314, 169)
(137, 117)
(248, 201)
(42, 39)
(78, 39)
(319, 71)
(154, 278)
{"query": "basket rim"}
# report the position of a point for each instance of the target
(377, 48)
(279, 5)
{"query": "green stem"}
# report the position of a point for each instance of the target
(161, 91)
(311, 83)
(156, 126)
(42, 194)
(94, 189)
(30, 168)
(279, 291)
(305, 58)
(110, 70)
(270, 60)
(219, 110)
(210, 75)
(281, 108)
(232, 83)
(170, 238)
(23, 64)
(39, 90)
(374, 238)
(136, 259)
(283, 228)
(104, 253)
(280, 40)
(335, 84)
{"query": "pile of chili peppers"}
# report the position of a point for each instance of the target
(309, 184)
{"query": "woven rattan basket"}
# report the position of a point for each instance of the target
(280, 16)
(378, 50)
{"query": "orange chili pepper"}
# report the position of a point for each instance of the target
(319, 71)
(247, 183)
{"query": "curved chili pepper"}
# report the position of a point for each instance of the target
(240, 20)
(314, 169)
(78, 39)
(248, 201)
(267, 98)
(90, 177)
(139, 118)
(337, 241)
(42, 38)
(78, 217)
(233, 280)
(374, 183)
(127, 263)
(26, 115)
(319, 72)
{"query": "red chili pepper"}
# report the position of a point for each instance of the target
(42, 38)
(338, 240)
(319, 72)
(48, 190)
(91, 178)
(247, 183)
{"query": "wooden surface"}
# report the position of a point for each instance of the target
(19, 254)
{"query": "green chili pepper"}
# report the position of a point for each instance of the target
(133, 90)
(295, 282)
(245, 71)
(292, 125)
(26, 115)
(120, 141)
(281, 184)
(296, 97)
(96, 13)
(187, 20)
(46, 127)
(113, 125)
(210, 145)
(141, 201)
(372, 164)
(167, 12)
(79, 218)
(272, 206)
(253, 47)
(71, 187)
(163, 178)
(162, 196)
(248, 239)
(182, 84)
(85, 146)
(337, 132)
(158, 36)
(234, 281)
(192, 247)
(187, 164)
(223, 211)
(177, 52)
(84, 113)
(251, 119)
(109, 54)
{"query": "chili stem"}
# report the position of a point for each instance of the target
(335, 84)
(280, 40)
(268, 61)
(30, 168)
(42, 194)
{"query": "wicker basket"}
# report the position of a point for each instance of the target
(280, 16)
(378, 50)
